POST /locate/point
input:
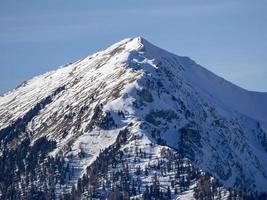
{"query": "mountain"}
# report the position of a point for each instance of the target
(132, 121)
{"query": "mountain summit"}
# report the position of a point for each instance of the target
(132, 121)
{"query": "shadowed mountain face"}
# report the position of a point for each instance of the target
(133, 121)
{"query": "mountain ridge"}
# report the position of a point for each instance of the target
(155, 100)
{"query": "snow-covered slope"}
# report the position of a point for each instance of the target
(162, 99)
(250, 103)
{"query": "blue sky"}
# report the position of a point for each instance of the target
(228, 37)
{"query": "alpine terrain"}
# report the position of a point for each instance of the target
(132, 122)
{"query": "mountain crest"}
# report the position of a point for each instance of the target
(137, 120)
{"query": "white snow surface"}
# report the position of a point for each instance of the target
(139, 78)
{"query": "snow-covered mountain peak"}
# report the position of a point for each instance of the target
(143, 55)
(134, 95)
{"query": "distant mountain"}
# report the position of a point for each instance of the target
(132, 122)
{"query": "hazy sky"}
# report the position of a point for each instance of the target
(228, 37)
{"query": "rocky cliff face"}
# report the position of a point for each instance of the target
(135, 115)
